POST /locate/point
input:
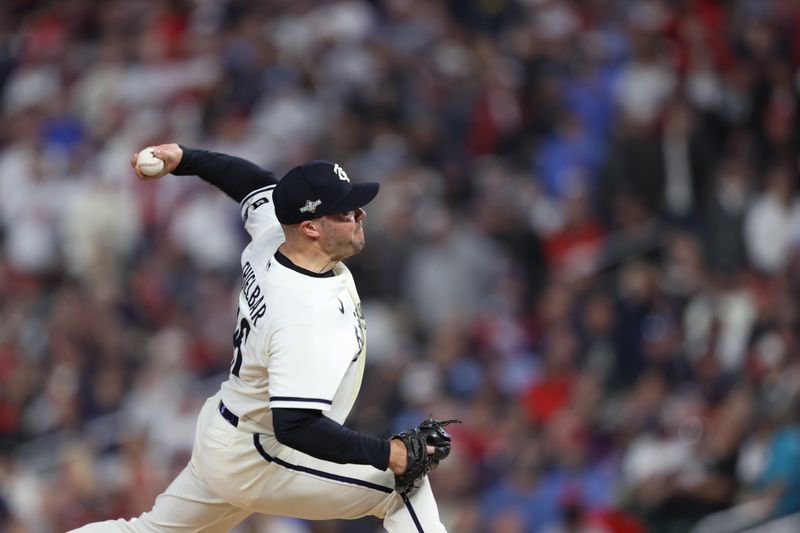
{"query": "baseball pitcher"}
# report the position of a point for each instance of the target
(272, 439)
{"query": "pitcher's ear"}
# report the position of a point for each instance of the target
(310, 228)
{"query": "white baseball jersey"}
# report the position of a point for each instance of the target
(300, 340)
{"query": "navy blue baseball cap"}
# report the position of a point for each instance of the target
(316, 189)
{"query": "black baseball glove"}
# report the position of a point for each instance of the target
(430, 432)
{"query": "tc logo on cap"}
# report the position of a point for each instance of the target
(341, 173)
(310, 206)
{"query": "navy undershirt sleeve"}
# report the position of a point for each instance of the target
(234, 176)
(309, 431)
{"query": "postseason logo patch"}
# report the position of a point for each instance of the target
(310, 206)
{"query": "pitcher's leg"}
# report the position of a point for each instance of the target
(187, 506)
(415, 512)
(286, 482)
(291, 483)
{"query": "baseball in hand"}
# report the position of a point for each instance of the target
(148, 164)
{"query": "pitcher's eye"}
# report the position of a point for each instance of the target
(346, 216)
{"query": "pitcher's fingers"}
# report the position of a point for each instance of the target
(139, 174)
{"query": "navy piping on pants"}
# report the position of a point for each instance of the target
(413, 514)
(320, 473)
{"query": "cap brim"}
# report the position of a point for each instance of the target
(360, 195)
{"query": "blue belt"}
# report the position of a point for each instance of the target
(227, 415)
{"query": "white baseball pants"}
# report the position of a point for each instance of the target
(233, 474)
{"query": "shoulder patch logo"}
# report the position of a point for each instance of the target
(341, 306)
(310, 206)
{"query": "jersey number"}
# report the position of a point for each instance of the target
(239, 338)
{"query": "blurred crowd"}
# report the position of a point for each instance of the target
(586, 246)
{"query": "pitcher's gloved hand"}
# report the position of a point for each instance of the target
(430, 432)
